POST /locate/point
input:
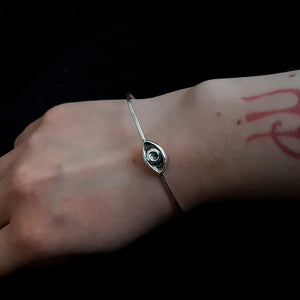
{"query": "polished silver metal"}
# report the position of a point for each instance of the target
(154, 155)
(129, 96)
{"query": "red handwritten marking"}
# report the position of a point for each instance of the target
(291, 110)
(274, 134)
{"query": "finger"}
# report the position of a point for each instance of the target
(6, 162)
(10, 255)
(5, 205)
(27, 132)
(5, 218)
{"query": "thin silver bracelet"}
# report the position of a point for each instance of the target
(154, 155)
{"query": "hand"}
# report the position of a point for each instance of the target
(76, 182)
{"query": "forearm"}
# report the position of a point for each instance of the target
(224, 142)
(252, 142)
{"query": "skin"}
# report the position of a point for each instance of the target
(76, 181)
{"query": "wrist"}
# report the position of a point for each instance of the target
(195, 128)
(199, 166)
(172, 121)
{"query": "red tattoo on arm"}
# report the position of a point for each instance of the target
(274, 134)
(292, 110)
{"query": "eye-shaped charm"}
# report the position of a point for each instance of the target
(154, 156)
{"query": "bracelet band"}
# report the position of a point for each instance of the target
(154, 155)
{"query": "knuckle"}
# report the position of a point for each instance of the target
(34, 139)
(21, 180)
(32, 237)
(30, 141)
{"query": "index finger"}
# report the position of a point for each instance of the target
(10, 256)
(6, 163)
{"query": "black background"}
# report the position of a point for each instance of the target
(57, 52)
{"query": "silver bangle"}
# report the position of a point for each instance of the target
(154, 155)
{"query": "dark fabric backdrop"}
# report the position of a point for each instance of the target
(57, 52)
